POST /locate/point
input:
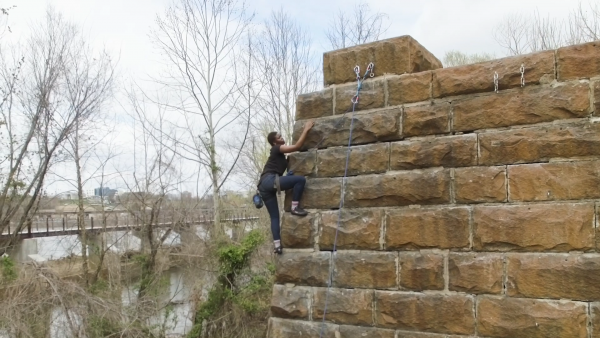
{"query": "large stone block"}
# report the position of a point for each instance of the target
(596, 107)
(427, 119)
(376, 126)
(528, 106)
(476, 273)
(370, 270)
(539, 144)
(397, 55)
(344, 306)
(579, 61)
(559, 276)
(444, 228)
(479, 77)
(359, 229)
(425, 312)
(370, 96)
(554, 181)
(480, 184)
(286, 328)
(313, 105)
(409, 88)
(399, 188)
(297, 232)
(421, 271)
(290, 302)
(595, 312)
(303, 268)
(347, 331)
(367, 159)
(527, 318)
(445, 151)
(303, 163)
(536, 227)
(319, 193)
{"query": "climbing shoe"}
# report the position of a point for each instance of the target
(299, 212)
(278, 250)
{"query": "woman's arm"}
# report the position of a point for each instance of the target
(295, 147)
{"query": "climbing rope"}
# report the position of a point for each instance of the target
(360, 80)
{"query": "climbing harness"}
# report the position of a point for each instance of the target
(360, 80)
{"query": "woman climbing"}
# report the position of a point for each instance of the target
(273, 170)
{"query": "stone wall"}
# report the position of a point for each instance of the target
(468, 213)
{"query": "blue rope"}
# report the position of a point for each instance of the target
(343, 190)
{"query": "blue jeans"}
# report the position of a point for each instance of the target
(268, 192)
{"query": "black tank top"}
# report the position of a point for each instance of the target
(276, 164)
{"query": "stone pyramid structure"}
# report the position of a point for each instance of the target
(471, 204)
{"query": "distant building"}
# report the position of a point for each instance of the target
(104, 192)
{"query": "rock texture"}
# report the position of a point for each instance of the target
(392, 56)
(465, 213)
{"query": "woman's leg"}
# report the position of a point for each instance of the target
(273, 210)
(297, 184)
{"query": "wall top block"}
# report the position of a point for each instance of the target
(399, 55)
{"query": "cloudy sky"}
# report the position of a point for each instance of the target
(123, 26)
(439, 25)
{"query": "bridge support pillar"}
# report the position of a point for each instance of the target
(24, 248)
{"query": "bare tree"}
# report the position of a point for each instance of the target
(455, 58)
(360, 26)
(37, 116)
(198, 38)
(284, 67)
(519, 33)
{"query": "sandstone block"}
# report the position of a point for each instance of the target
(297, 232)
(427, 119)
(319, 193)
(528, 106)
(344, 306)
(478, 78)
(303, 268)
(376, 126)
(527, 318)
(367, 159)
(347, 331)
(399, 188)
(365, 270)
(290, 302)
(397, 55)
(421, 271)
(445, 151)
(560, 276)
(480, 184)
(371, 96)
(286, 328)
(359, 229)
(596, 98)
(476, 273)
(595, 311)
(539, 144)
(554, 181)
(579, 61)
(303, 163)
(425, 312)
(314, 105)
(536, 227)
(409, 88)
(444, 228)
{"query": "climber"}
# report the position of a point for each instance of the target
(268, 186)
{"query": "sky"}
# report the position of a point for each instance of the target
(123, 26)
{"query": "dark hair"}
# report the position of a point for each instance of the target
(271, 137)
